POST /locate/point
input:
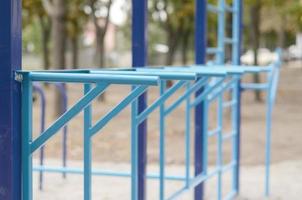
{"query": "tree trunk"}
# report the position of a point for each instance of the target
(45, 32)
(172, 43)
(59, 43)
(100, 55)
(75, 52)
(255, 24)
(281, 33)
(185, 45)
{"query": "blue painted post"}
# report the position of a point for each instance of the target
(237, 53)
(139, 59)
(10, 104)
(200, 58)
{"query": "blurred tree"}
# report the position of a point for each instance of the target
(34, 9)
(56, 10)
(175, 17)
(76, 21)
(100, 14)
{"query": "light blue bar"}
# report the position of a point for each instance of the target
(229, 103)
(228, 8)
(200, 72)
(98, 172)
(213, 8)
(162, 143)
(205, 132)
(254, 86)
(117, 109)
(93, 78)
(26, 138)
(188, 138)
(269, 108)
(219, 145)
(134, 150)
(142, 116)
(87, 147)
(230, 41)
(212, 50)
(67, 116)
(228, 136)
(161, 73)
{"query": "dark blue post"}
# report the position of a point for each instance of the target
(139, 59)
(10, 104)
(238, 128)
(200, 58)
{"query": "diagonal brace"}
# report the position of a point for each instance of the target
(116, 110)
(67, 116)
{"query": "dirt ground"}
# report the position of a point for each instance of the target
(111, 145)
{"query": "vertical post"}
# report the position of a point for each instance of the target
(87, 147)
(237, 34)
(139, 59)
(200, 58)
(10, 104)
(162, 141)
(26, 138)
(134, 151)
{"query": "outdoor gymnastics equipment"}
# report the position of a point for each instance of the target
(206, 83)
(39, 89)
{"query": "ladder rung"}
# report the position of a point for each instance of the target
(213, 8)
(228, 136)
(229, 103)
(213, 50)
(229, 8)
(254, 86)
(230, 40)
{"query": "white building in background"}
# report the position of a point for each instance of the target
(295, 51)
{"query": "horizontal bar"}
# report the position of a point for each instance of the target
(230, 40)
(159, 72)
(227, 136)
(212, 50)
(71, 170)
(213, 8)
(143, 115)
(67, 116)
(117, 109)
(228, 8)
(229, 103)
(201, 72)
(93, 78)
(254, 86)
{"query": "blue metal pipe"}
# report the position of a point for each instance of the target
(92, 78)
(62, 89)
(67, 116)
(38, 88)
